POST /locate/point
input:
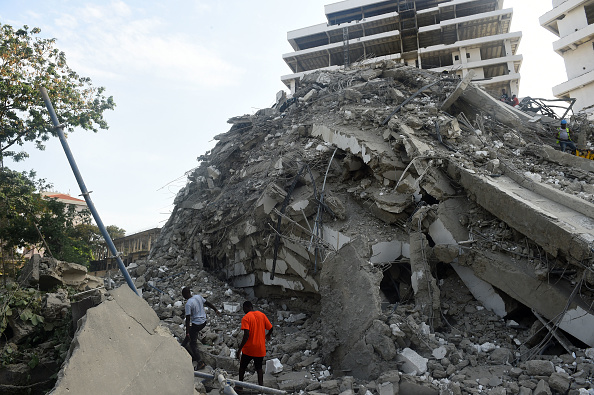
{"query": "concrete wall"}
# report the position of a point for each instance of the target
(574, 20)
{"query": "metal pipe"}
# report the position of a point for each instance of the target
(83, 188)
(243, 384)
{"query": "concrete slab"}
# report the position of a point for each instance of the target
(349, 287)
(113, 353)
(516, 278)
(364, 144)
(134, 306)
(555, 227)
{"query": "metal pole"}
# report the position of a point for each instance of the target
(251, 386)
(83, 188)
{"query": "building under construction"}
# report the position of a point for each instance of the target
(440, 35)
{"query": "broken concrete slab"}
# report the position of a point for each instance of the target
(451, 99)
(517, 278)
(555, 227)
(141, 361)
(342, 274)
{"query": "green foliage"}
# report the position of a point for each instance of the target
(26, 63)
(24, 302)
(34, 361)
(27, 304)
(115, 232)
(25, 215)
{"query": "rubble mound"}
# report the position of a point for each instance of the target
(403, 229)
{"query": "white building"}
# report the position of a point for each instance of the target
(573, 22)
(452, 35)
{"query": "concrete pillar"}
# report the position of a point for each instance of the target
(424, 285)
(464, 61)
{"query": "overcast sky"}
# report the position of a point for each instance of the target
(178, 70)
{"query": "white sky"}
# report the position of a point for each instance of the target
(177, 70)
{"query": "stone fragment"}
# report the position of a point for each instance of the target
(440, 352)
(378, 337)
(330, 387)
(413, 362)
(501, 356)
(559, 382)
(273, 366)
(386, 388)
(542, 388)
(539, 368)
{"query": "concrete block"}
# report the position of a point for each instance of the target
(481, 290)
(213, 172)
(539, 368)
(440, 352)
(386, 388)
(542, 388)
(273, 366)
(335, 238)
(386, 251)
(281, 266)
(413, 362)
(284, 281)
(231, 307)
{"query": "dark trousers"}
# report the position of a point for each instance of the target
(565, 144)
(193, 339)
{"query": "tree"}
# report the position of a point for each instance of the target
(26, 63)
(115, 232)
(28, 219)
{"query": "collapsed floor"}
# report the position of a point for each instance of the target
(390, 205)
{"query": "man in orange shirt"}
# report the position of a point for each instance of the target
(253, 345)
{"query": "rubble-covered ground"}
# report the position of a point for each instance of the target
(399, 244)
(404, 232)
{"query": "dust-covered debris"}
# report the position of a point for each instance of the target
(396, 247)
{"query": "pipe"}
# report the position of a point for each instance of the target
(83, 188)
(243, 384)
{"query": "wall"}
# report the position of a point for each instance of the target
(579, 61)
(573, 21)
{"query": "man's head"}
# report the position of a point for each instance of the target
(563, 122)
(247, 306)
(186, 293)
(513, 96)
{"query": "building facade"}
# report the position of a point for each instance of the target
(439, 35)
(573, 22)
(131, 248)
(79, 204)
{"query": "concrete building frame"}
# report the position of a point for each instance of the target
(441, 35)
(573, 22)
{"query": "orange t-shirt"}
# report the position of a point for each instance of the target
(257, 323)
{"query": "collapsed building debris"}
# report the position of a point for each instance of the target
(46, 273)
(365, 225)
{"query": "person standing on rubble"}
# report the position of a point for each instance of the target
(564, 137)
(195, 322)
(253, 345)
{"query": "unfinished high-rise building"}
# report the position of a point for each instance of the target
(573, 22)
(439, 35)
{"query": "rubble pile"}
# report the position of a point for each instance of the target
(403, 228)
(37, 315)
